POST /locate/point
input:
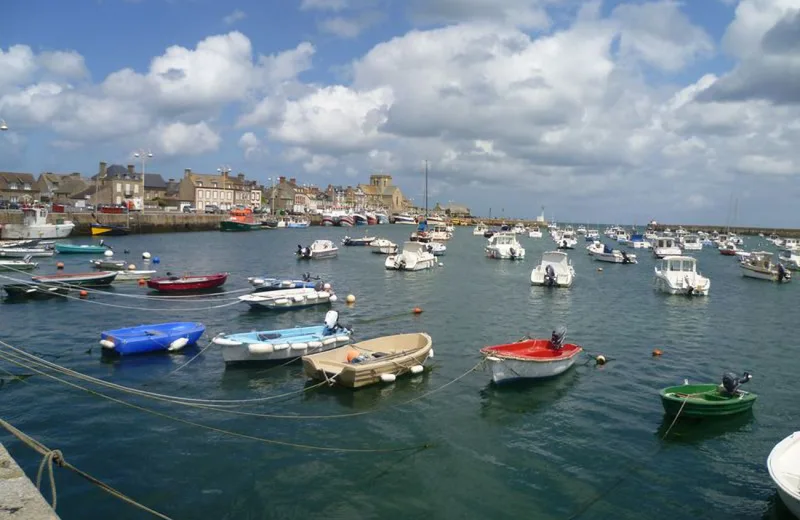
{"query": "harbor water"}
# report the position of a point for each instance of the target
(587, 444)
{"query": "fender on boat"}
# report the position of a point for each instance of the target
(493, 359)
(299, 346)
(280, 346)
(323, 294)
(329, 341)
(430, 353)
(281, 301)
(260, 348)
(299, 299)
(388, 378)
(178, 344)
(314, 344)
(226, 342)
(106, 343)
(417, 369)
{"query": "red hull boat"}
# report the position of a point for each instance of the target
(188, 282)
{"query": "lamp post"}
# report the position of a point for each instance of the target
(143, 155)
(224, 170)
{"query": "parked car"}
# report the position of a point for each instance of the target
(189, 209)
(211, 208)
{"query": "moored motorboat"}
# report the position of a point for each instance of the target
(665, 246)
(108, 230)
(535, 232)
(790, 258)
(81, 249)
(319, 249)
(96, 279)
(18, 265)
(708, 400)
(283, 344)
(505, 246)
(109, 265)
(532, 358)
(288, 298)
(414, 257)
(134, 275)
(277, 284)
(555, 270)
(22, 252)
(479, 229)
(383, 246)
(678, 275)
(614, 256)
(759, 265)
(436, 248)
(19, 291)
(373, 361)
(187, 282)
(151, 338)
(361, 241)
(783, 463)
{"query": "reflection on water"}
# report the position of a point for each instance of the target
(688, 430)
(504, 403)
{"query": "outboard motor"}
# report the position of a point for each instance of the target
(550, 275)
(557, 339)
(731, 382)
(625, 259)
(331, 323)
(513, 252)
(564, 244)
(782, 273)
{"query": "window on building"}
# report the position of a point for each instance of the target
(14, 198)
(208, 194)
(119, 187)
(216, 194)
(26, 186)
(229, 195)
(136, 188)
(200, 184)
(13, 186)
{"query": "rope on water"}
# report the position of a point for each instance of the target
(222, 431)
(49, 457)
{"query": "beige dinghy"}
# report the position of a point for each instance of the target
(372, 361)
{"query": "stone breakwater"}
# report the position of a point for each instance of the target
(19, 498)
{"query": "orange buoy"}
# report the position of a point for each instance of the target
(417, 310)
(142, 282)
(657, 352)
(83, 294)
(60, 265)
(351, 355)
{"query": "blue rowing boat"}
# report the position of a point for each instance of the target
(284, 344)
(152, 338)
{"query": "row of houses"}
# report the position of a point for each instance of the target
(118, 184)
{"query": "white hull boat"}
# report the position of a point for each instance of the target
(414, 257)
(759, 265)
(678, 275)
(436, 248)
(783, 463)
(691, 243)
(405, 219)
(640, 244)
(615, 257)
(318, 250)
(134, 275)
(505, 246)
(288, 299)
(531, 358)
(595, 248)
(383, 246)
(22, 252)
(479, 230)
(553, 271)
(790, 258)
(535, 233)
(34, 225)
(665, 246)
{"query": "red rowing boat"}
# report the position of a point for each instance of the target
(531, 358)
(188, 282)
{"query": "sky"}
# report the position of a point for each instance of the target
(598, 111)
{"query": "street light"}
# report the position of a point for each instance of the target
(3, 125)
(143, 155)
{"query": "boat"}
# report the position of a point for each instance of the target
(555, 270)
(328, 219)
(505, 246)
(382, 217)
(369, 362)
(691, 243)
(372, 220)
(288, 298)
(276, 284)
(708, 400)
(359, 219)
(535, 232)
(759, 265)
(519, 228)
(298, 223)
(728, 249)
(34, 225)
(318, 250)
(638, 241)
(81, 249)
(18, 265)
(345, 221)
(405, 218)
(595, 248)
(190, 282)
(19, 291)
(532, 358)
(363, 241)
(566, 240)
(782, 464)
(30, 242)
(108, 230)
(239, 225)
(678, 275)
(110, 265)
(436, 248)
(22, 252)
(665, 246)
(134, 275)
(156, 337)
(414, 257)
(614, 256)
(790, 258)
(283, 344)
(592, 235)
(96, 279)
(480, 229)
(383, 246)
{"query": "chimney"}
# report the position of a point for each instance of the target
(281, 179)
(131, 169)
(187, 172)
(102, 170)
(240, 177)
(293, 180)
(172, 180)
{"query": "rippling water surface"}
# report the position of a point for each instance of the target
(539, 451)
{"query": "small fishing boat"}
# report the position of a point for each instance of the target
(372, 361)
(134, 275)
(708, 400)
(678, 275)
(414, 257)
(782, 464)
(237, 224)
(29, 242)
(19, 291)
(187, 282)
(318, 249)
(728, 249)
(108, 230)
(555, 270)
(35, 225)
(22, 252)
(535, 232)
(96, 279)
(790, 258)
(18, 265)
(614, 256)
(152, 338)
(110, 265)
(532, 358)
(298, 223)
(436, 248)
(364, 241)
(81, 249)
(505, 246)
(283, 344)
(288, 298)
(665, 246)
(480, 229)
(759, 265)
(278, 284)
(383, 246)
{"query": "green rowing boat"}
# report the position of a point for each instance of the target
(708, 400)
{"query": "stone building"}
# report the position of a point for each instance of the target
(19, 188)
(381, 193)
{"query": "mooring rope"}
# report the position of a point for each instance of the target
(49, 457)
(215, 429)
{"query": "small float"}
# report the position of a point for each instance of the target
(152, 338)
(287, 298)
(372, 361)
(532, 358)
(708, 400)
(187, 283)
(283, 344)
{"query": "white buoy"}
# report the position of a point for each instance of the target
(388, 378)
(417, 369)
(107, 343)
(146, 255)
(131, 267)
(326, 286)
(178, 344)
(430, 353)
(108, 252)
(333, 297)
(441, 264)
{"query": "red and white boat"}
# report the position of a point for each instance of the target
(532, 358)
(728, 249)
(188, 282)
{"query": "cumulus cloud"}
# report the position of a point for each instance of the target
(236, 16)
(251, 146)
(183, 139)
(324, 5)
(521, 13)
(348, 27)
